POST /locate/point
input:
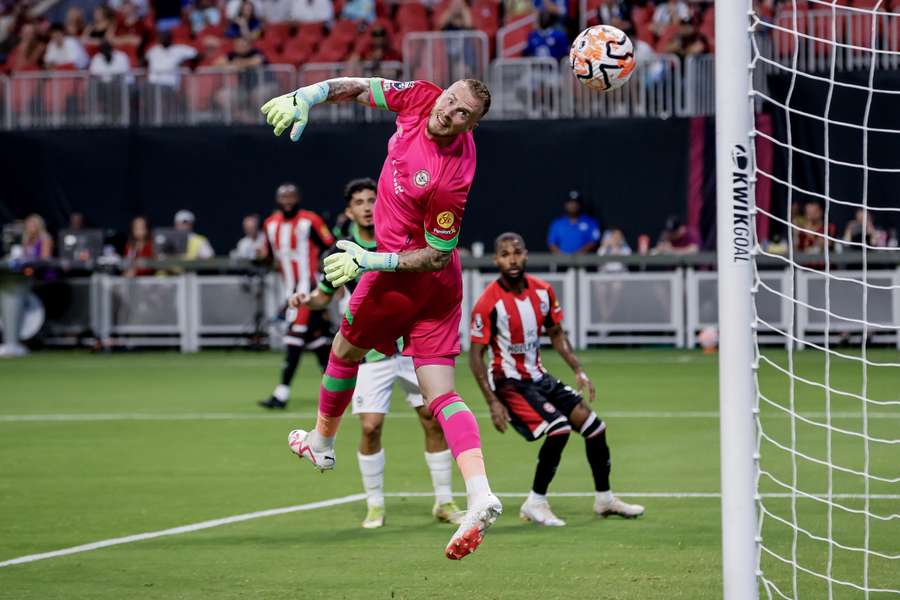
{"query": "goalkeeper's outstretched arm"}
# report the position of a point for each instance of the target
(292, 109)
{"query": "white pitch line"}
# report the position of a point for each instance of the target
(213, 416)
(183, 529)
(139, 537)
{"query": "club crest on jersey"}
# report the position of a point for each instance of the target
(422, 178)
(445, 219)
(545, 307)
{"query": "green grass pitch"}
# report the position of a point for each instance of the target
(115, 445)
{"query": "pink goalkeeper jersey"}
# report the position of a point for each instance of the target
(423, 188)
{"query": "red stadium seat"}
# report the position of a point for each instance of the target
(333, 49)
(278, 32)
(412, 17)
(486, 17)
(345, 29)
(310, 32)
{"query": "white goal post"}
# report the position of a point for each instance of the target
(734, 242)
(807, 176)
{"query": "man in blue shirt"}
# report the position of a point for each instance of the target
(547, 39)
(575, 232)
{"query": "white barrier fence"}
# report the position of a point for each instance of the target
(523, 88)
(666, 307)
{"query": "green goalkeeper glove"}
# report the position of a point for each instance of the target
(345, 266)
(292, 110)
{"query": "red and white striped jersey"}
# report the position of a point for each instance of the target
(297, 244)
(512, 325)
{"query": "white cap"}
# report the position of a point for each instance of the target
(183, 216)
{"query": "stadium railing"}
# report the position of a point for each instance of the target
(446, 56)
(660, 300)
(655, 90)
(512, 38)
(699, 85)
(853, 32)
(525, 88)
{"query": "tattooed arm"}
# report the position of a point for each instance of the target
(342, 89)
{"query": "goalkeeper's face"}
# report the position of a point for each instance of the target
(511, 257)
(456, 111)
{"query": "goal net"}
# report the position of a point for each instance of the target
(822, 171)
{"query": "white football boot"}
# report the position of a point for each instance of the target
(539, 513)
(374, 517)
(475, 523)
(323, 461)
(617, 507)
(448, 513)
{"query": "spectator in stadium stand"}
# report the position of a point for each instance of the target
(36, 242)
(677, 238)
(456, 17)
(811, 237)
(574, 232)
(312, 11)
(109, 63)
(617, 14)
(164, 59)
(203, 14)
(253, 245)
(853, 232)
(198, 247)
(245, 24)
(139, 245)
(74, 22)
(517, 8)
(64, 50)
(102, 28)
(380, 50)
(29, 52)
(614, 244)
(76, 221)
(140, 6)
(167, 13)
(669, 13)
(247, 95)
(359, 10)
(688, 41)
(548, 40)
(131, 30)
(554, 7)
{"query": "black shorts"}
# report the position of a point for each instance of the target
(309, 329)
(538, 407)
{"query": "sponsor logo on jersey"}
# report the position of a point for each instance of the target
(451, 231)
(446, 219)
(399, 85)
(422, 178)
(523, 348)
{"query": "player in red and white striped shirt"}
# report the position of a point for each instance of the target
(510, 317)
(297, 238)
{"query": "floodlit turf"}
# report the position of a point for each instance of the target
(122, 444)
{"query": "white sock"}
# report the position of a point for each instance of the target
(319, 442)
(372, 468)
(477, 487)
(604, 497)
(441, 466)
(282, 392)
(534, 497)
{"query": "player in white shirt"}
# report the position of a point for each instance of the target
(375, 383)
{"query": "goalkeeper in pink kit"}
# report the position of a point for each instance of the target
(411, 288)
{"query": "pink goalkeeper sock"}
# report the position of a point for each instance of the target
(337, 387)
(457, 421)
